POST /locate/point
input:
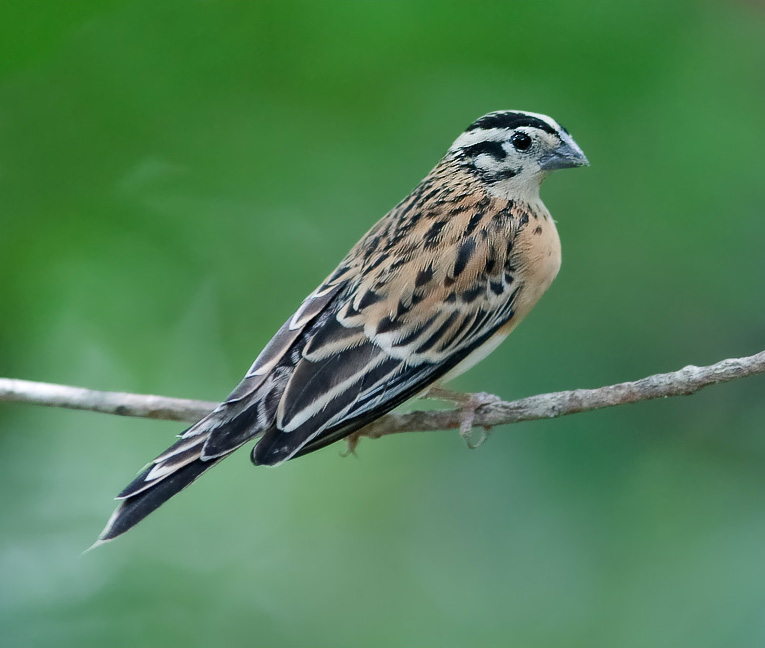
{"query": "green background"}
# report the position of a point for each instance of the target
(174, 178)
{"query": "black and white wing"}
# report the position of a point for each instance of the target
(391, 334)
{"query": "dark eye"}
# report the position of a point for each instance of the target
(521, 141)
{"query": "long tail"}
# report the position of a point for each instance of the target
(232, 424)
(171, 472)
(134, 508)
(247, 412)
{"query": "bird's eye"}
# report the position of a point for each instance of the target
(521, 141)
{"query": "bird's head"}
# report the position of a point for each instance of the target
(513, 151)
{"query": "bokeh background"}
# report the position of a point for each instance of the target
(175, 176)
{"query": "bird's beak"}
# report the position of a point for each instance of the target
(566, 155)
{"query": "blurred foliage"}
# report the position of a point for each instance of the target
(175, 176)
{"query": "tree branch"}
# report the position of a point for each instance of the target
(120, 403)
(482, 410)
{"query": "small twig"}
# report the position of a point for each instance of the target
(486, 410)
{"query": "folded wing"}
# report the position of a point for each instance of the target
(386, 339)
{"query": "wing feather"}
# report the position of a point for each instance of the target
(249, 409)
(387, 337)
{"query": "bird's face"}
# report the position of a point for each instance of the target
(513, 151)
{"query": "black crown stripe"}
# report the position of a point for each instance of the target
(510, 120)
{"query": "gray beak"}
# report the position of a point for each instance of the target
(566, 155)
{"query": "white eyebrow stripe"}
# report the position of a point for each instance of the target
(545, 118)
(475, 136)
(469, 138)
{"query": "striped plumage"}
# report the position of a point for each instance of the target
(430, 290)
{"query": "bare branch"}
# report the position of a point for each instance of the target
(483, 410)
(120, 403)
(493, 411)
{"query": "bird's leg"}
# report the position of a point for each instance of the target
(467, 405)
(437, 392)
(352, 440)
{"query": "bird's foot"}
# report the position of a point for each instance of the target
(467, 404)
(352, 440)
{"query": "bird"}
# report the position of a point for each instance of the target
(429, 291)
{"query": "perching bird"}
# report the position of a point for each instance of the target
(428, 292)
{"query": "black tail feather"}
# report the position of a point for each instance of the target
(134, 509)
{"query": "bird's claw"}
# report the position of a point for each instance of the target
(467, 404)
(352, 440)
(468, 408)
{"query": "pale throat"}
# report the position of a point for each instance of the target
(524, 187)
